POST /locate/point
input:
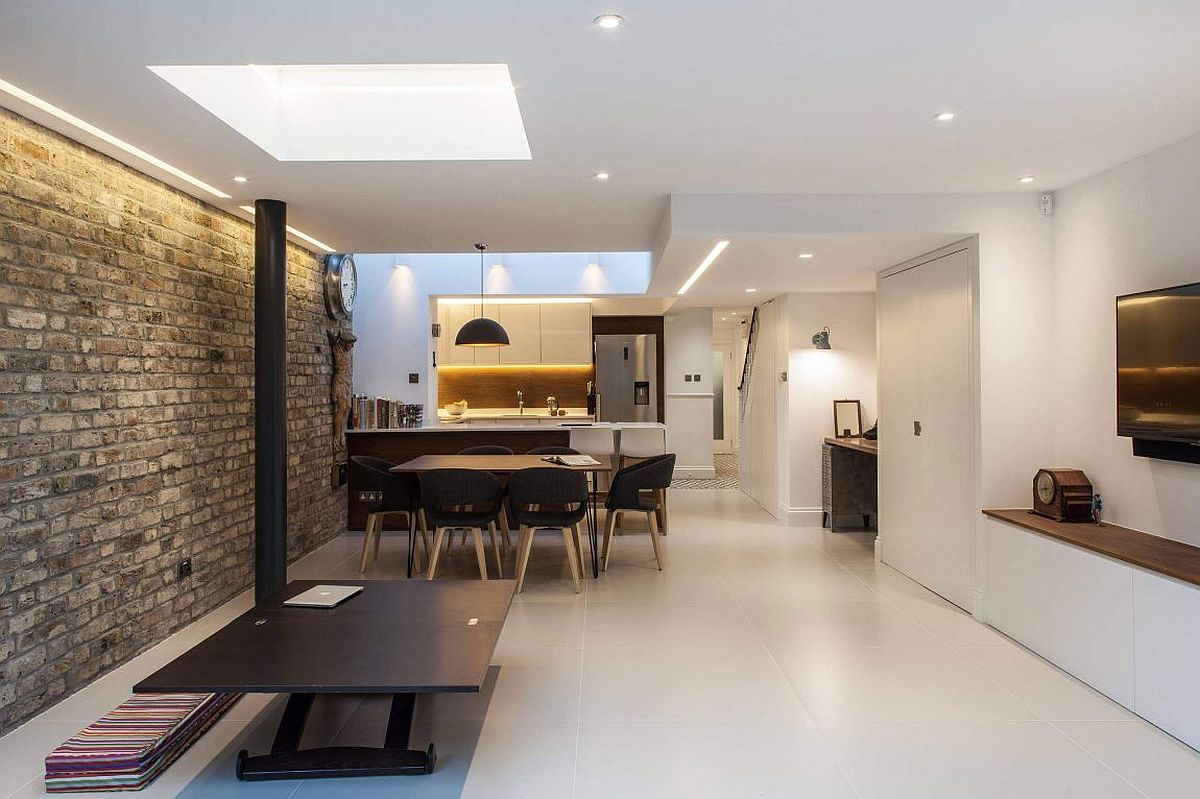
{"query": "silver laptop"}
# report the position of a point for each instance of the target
(323, 596)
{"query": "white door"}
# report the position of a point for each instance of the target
(724, 400)
(926, 442)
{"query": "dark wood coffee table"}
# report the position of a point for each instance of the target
(399, 637)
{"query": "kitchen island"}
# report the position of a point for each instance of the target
(437, 438)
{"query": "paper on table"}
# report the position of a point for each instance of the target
(572, 460)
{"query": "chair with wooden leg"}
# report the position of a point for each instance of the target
(464, 499)
(491, 449)
(398, 494)
(625, 495)
(638, 444)
(546, 498)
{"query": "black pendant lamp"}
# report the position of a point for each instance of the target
(481, 332)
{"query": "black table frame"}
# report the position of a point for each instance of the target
(287, 761)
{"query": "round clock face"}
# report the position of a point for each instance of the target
(349, 284)
(341, 285)
(1045, 487)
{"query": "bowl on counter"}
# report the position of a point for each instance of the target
(456, 408)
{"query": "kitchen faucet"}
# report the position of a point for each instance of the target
(520, 402)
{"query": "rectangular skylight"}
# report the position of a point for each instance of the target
(367, 112)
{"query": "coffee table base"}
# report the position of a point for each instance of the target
(288, 762)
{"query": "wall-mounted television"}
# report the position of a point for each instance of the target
(1158, 365)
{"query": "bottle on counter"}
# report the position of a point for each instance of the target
(591, 398)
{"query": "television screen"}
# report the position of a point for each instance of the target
(1158, 364)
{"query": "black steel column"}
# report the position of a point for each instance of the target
(270, 397)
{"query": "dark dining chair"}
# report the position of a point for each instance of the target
(625, 496)
(553, 451)
(466, 499)
(486, 449)
(546, 498)
(490, 449)
(398, 494)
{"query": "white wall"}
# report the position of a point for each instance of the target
(1132, 228)
(818, 377)
(392, 319)
(762, 464)
(687, 349)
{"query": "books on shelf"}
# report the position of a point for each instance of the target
(383, 413)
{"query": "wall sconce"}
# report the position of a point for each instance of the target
(821, 340)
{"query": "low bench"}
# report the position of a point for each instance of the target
(135, 742)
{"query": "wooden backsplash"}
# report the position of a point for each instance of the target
(497, 386)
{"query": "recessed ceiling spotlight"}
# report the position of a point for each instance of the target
(805, 255)
(609, 21)
(1026, 179)
(945, 116)
(240, 178)
(602, 176)
(751, 291)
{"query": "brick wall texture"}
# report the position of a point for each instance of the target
(126, 413)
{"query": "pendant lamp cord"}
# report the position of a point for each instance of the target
(481, 248)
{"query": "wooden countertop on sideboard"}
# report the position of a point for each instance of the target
(1151, 552)
(856, 443)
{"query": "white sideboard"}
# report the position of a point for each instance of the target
(1131, 633)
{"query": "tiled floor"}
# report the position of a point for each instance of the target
(765, 662)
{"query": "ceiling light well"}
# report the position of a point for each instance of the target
(363, 112)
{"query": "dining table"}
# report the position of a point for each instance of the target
(505, 465)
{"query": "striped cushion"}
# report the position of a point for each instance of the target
(134, 743)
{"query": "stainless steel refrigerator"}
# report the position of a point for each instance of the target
(627, 378)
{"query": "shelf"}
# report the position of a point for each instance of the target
(1151, 552)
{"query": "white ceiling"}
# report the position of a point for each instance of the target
(774, 96)
(770, 264)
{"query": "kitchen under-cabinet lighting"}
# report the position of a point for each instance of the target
(105, 136)
(705, 264)
(297, 233)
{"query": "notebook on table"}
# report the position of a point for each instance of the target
(323, 596)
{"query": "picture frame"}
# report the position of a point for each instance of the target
(847, 418)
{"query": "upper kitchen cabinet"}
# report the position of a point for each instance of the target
(523, 324)
(452, 318)
(566, 333)
(559, 333)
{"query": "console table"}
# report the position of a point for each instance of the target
(849, 481)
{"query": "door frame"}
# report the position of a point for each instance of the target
(971, 245)
(729, 400)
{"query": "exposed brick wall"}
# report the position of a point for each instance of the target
(126, 413)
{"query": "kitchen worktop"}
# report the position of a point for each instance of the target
(498, 426)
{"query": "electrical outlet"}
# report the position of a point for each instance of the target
(695, 378)
(184, 569)
(337, 475)
(413, 377)
(370, 496)
(687, 378)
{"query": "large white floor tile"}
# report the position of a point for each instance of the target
(1053, 694)
(860, 683)
(706, 760)
(976, 759)
(1160, 766)
(646, 624)
(520, 759)
(716, 681)
(543, 624)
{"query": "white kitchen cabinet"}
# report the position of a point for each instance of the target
(1166, 650)
(523, 323)
(555, 333)
(566, 333)
(452, 318)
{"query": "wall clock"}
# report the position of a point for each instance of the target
(341, 285)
